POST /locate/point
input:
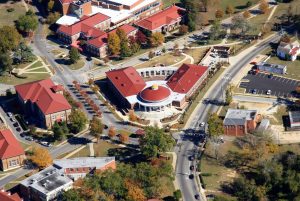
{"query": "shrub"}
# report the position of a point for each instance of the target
(10, 10)
(206, 174)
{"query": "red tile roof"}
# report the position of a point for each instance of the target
(126, 80)
(9, 146)
(86, 24)
(41, 93)
(126, 27)
(294, 51)
(99, 41)
(173, 13)
(152, 94)
(186, 77)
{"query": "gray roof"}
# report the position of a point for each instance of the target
(98, 162)
(271, 65)
(294, 116)
(238, 117)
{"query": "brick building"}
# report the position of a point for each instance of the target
(7, 196)
(240, 122)
(44, 101)
(12, 153)
(164, 21)
(51, 182)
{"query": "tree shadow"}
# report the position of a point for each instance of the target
(79, 140)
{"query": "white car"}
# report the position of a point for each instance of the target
(44, 143)
(9, 114)
(202, 124)
(269, 92)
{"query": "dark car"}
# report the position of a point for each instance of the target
(191, 176)
(16, 124)
(197, 197)
(192, 158)
(210, 196)
(29, 138)
(105, 126)
(270, 75)
(254, 91)
(89, 58)
(192, 167)
(18, 129)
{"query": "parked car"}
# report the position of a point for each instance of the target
(18, 129)
(210, 196)
(270, 75)
(192, 167)
(192, 158)
(16, 124)
(9, 114)
(202, 124)
(269, 92)
(12, 120)
(29, 138)
(44, 143)
(254, 91)
(22, 134)
(197, 197)
(191, 176)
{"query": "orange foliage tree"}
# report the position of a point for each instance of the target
(134, 191)
(112, 132)
(41, 157)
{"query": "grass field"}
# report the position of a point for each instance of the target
(166, 59)
(197, 54)
(6, 79)
(79, 64)
(167, 3)
(8, 18)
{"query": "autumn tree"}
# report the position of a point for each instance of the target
(285, 38)
(78, 120)
(10, 38)
(123, 138)
(112, 132)
(215, 125)
(157, 39)
(41, 157)
(134, 191)
(96, 127)
(219, 14)
(125, 50)
(132, 115)
(151, 55)
(246, 14)
(183, 29)
(113, 44)
(141, 38)
(229, 10)
(263, 6)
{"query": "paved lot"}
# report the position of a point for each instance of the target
(261, 82)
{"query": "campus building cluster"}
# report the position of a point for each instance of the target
(130, 87)
(92, 21)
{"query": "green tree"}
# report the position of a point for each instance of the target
(114, 44)
(228, 95)
(10, 38)
(50, 5)
(135, 47)
(24, 54)
(215, 125)
(71, 195)
(60, 130)
(155, 141)
(78, 120)
(5, 63)
(74, 55)
(125, 50)
(215, 31)
(53, 17)
(177, 195)
(28, 22)
(157, 39)
(240, 25)
(96, 127)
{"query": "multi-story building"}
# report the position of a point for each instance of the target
(51, 182)
(44, 101)
(240, 122)
(164, 21)
(11, 153)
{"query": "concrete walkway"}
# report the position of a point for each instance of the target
(91, 147)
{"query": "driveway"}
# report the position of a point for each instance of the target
(279, 86)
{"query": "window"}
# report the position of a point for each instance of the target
(13, 163)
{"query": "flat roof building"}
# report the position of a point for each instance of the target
(294, 117)
(271, 68)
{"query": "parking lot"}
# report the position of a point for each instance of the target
(261, 83)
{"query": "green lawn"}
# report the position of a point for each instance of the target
(257, 23)
(167, 3)
(36, 64)
(8, 18)
(6, 79)
(197, 54)
(293, 67)
(166, 59)
(79, 64)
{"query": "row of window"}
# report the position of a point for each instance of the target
(57, 116)
(146, 8)
(13, 163)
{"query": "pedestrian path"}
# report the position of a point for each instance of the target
(91, 147)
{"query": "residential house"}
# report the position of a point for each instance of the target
(51, 182)
(12, 153)
(44, 101)
(164, 21)
(240, 122)
(7, 196)
(288, 51)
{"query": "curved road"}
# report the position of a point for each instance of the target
(189, 187)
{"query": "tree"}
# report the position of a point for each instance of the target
(134, 191)
(151, 55)
(135, 47)
(285, 38)
(132, 115)
(10, 38)
(114, 44)
(228, 94)
(41, 157)
(23, 54)
(125, 50)
(215, 125)
(123, 138)
(229, 10)
(155, 141)
(177, 195)
(240, 25)
(60, 130)
(157, 39)
(28, 22)
(50, 5)
(263, 6)
(201, 19)
(246, 14)
(78, 120)
(71, 195)
(74, 55)
(53, 17)
(215, 31)
(183, 29)
(96, 127)
(248, 4)
(191, 21)
(112, 132)
(298, 89)
(32, 129)
(219, 14)
(141, 38)
(5, 63)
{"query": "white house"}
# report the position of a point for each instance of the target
(288, 51)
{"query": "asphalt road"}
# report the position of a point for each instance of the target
(188, 187)
(279, 86)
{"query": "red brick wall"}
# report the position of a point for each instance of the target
(235, 130)
(87, 8)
